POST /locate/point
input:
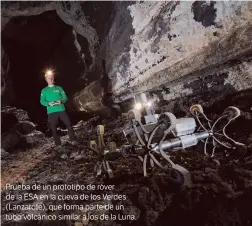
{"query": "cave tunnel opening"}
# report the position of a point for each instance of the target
(33, 44)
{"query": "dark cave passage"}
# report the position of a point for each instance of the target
(34, 44)
(142, 79)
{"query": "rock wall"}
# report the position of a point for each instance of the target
(17, 129)
(171, 40)
(153, 46)
(160, 46)
(227, 80)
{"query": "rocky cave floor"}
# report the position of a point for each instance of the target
(221, 193)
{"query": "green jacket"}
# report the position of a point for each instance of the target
(51, 94)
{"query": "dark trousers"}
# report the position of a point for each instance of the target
(53, 122)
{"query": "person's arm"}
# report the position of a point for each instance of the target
(43, 99)
(63, 95)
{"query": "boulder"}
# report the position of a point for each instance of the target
(20, 114)
(10, 140)
(34, 138)
(17, 128)
(26, 127)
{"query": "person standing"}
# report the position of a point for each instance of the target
(53, 98)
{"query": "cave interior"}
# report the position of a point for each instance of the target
(36, 43)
